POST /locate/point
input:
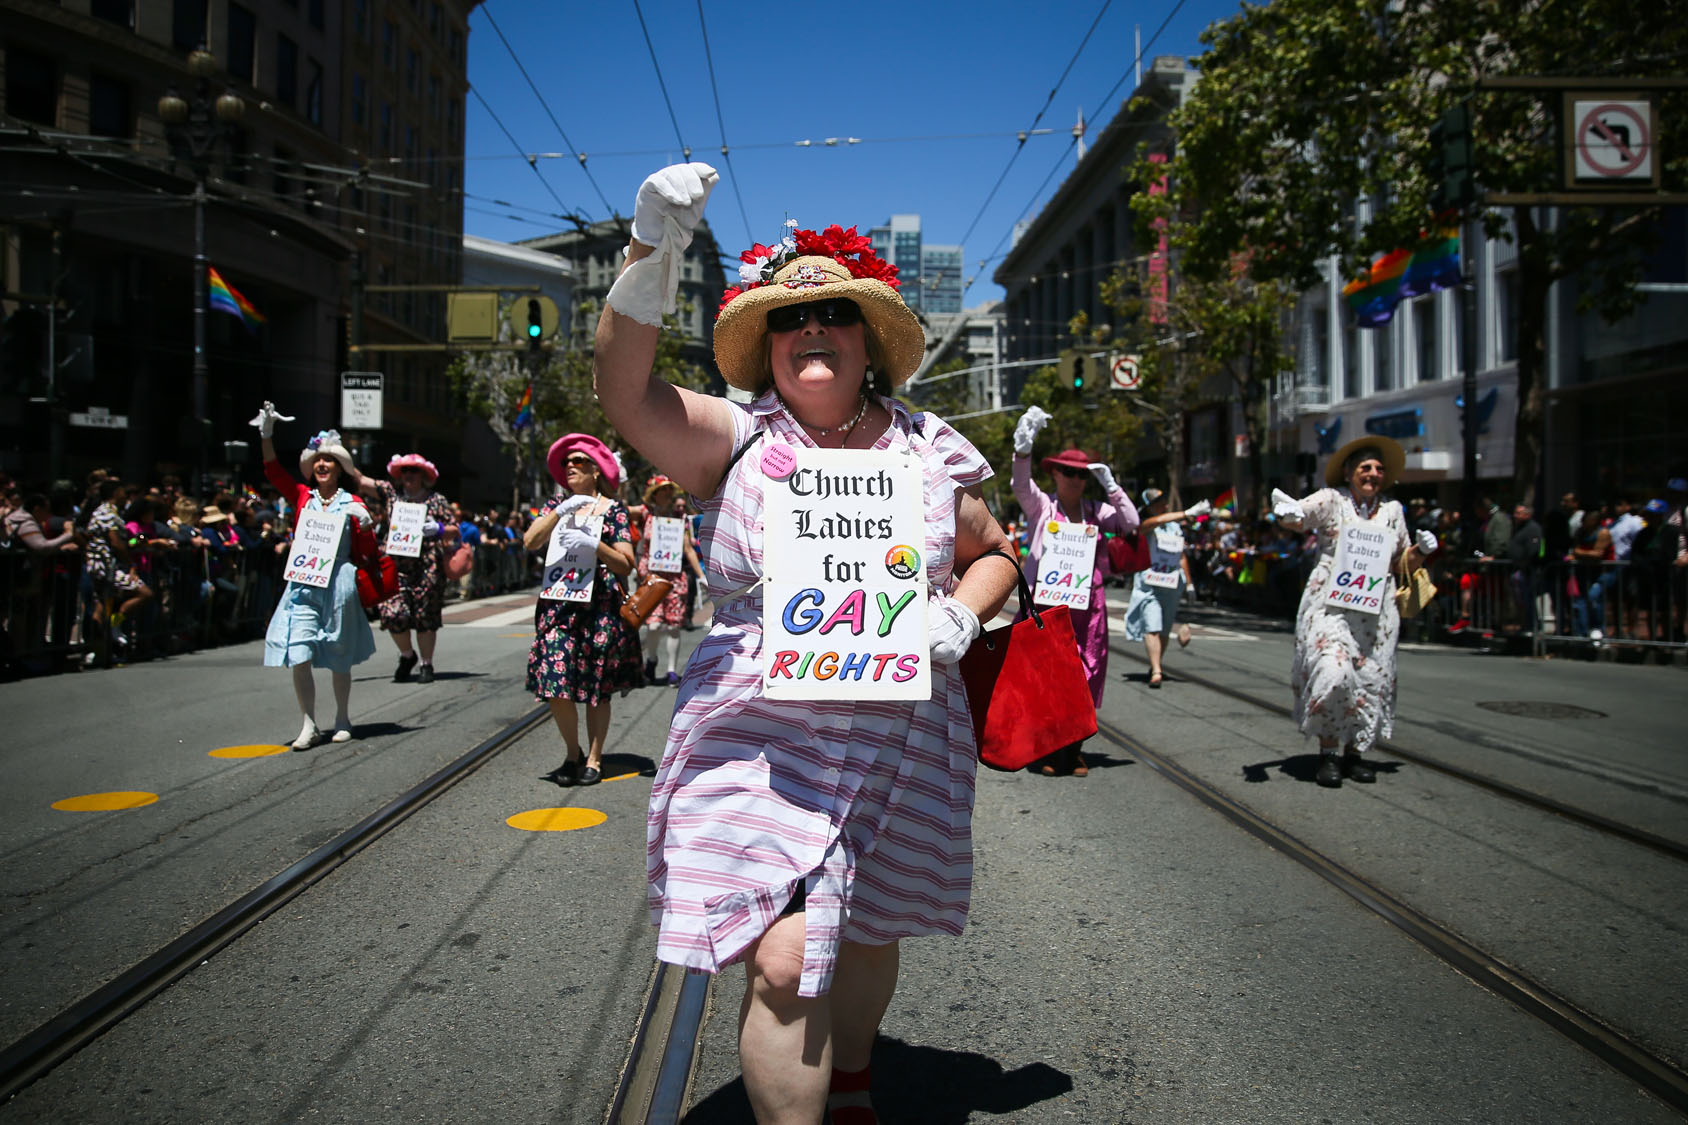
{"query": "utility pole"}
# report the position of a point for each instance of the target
(1468, 382)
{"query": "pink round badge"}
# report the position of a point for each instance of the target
(778, 461)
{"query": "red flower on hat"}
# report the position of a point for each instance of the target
(846, 247)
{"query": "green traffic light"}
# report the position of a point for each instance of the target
(533, 331)
(1078, 373)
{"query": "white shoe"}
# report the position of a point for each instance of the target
(341, 734)
(307, 739)
(1595, 634)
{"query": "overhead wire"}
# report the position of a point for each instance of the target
(685, 149)
(726, 153)
(530, 162)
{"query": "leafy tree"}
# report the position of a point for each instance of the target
(1305, 107)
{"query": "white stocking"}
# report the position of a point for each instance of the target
(304, 688)
(342, 700)
(670, 646)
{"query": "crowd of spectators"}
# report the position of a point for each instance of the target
(115, 571)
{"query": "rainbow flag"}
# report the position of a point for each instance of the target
(1400, 274)
(228, 299)
(524, 410)
(1226, 501)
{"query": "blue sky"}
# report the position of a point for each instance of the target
(935, 93)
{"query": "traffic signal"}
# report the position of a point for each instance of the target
(1074, 369)
(1452, 155)
(535, 322)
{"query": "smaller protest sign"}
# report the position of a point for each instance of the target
(1360, 579)
(1067, 565)
(667, 538)
(316, 542)
(404, 529)
(569, 574)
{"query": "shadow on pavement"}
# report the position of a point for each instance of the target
(366, 731)
(1302, 767)
(920, 1086)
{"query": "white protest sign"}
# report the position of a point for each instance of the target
(1165, 579)
(1361, 579)
(569, 574)
(316, 541)
(404, 529)
(1067, 565)
(667, 539)
(844, 606)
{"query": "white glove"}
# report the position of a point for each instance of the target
(1026, 429)
(574, 539)
(575, 503)
(266, 419)
(952, 628)
(677, 192)
(1104, 475)
(1426, 541)
(1199, 508)
(1287, 507)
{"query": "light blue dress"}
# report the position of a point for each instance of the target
(325, 627)
(1154, 609)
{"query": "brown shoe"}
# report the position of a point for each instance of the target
(1079, 768)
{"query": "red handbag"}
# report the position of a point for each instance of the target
(378, 580)
(1027, 687)
(1129, 553)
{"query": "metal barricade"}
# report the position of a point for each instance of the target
(40, 595)
(1602, 607)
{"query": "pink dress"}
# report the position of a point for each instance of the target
(1115, 516)
(672, 609)
(868, 805)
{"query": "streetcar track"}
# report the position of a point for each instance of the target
(77, 1025)
(1655, 1074)
(1541, 802)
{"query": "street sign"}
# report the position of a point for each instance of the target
(1122, 372)
(1612, 141)
(99, 418)
(360, 400)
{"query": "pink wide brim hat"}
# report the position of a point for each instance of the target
(413, 461)
(1072, 458)
(557, 459)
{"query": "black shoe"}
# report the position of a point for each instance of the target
(1355, 768)
(426, 674)
(401, 674)
(590, 776)
(1330, 772)
(566, 774)
(650, 671)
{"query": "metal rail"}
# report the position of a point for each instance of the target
(1658, 1076)
(657, 1079)
(56, 1040)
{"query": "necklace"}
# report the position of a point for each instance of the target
(845, 428)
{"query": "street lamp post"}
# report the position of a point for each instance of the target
(194, 128)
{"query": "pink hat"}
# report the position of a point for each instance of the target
(413, 461)
(1072, 458)
(586, 444)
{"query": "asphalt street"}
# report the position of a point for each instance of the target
(1130, 957)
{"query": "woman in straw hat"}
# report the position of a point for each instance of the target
(662, 627)
(801, 838)
(420, 598)
(1155, 593)
(1346, 630)
(320, 626)
(1070, 470)
(583, 652)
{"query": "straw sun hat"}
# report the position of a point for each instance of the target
(809, 266)
(1388, 450)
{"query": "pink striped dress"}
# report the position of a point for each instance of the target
(868, 805)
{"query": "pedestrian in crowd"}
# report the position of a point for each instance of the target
(320, 626)
(1524, 555)
(801, 838)
(662, 627)
(1653, 555)
(1484, 580)
(111, 563)
(683, 510)
(469, 534)
(1343, 676)
(583, 652)
(1591, 552)
(1152, 613)
(417, 603)
(25, 524)
(1070, 471)
(1676, 499)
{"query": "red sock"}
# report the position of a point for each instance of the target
(848, 1103)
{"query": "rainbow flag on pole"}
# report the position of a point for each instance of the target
(1226, 501)
(227, 298)
(524, 410)
(1400, 274)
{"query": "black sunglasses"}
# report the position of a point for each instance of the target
(1069, 471)
(837, 312)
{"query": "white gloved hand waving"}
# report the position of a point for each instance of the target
(952, 628)
(267, 418)
(1199, 508)
(1026, 429)
(1287, 507)
(1426, 541)
(575, 503)
(575, 539)
(677, 192)
(1104, 475)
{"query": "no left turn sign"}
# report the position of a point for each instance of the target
(1122, 372)
(1612, 141)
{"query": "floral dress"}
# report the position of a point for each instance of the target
(584, 651)
(421, 594)
(672, 611)
(1344, 671)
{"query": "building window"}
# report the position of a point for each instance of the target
(282, 180)
(32, 87)
(434, 21)
(286, 71)
(1351, 364)
(313, 91)
(411, 78)
(1383, 359)
(187, 24)
(456, 51)
(360, 19)
(385, 134)
(1424, 331)
(109, 112)
(119, 12)
(358, 92)
(410, 149)
(451, 112)
(1506, 316)
(433, 97)
(389, 44)
(243, 43)
(314, 13)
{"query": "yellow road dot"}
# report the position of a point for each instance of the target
(105, 802)
(621, 777)
(247, 751)
(555, 820)
(529, 633)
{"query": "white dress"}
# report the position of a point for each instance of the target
(1344, 671)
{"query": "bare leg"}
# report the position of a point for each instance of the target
(597, 730)
(785, 1040)
(1153, 643)
(862, 986)
(568, 725)
(425, 643)
(401, 638)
